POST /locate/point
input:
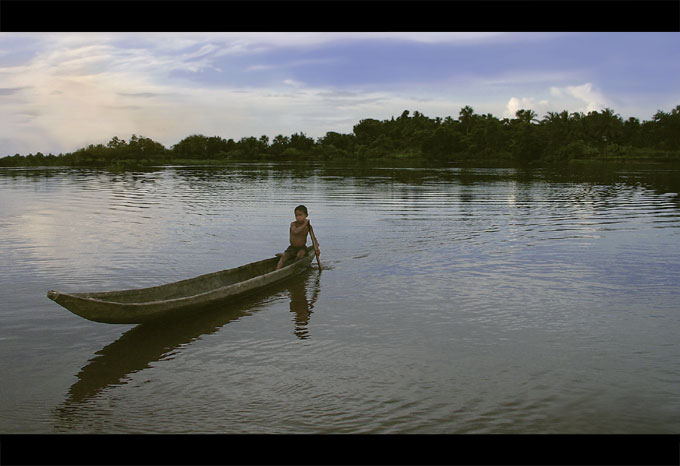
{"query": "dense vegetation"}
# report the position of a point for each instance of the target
(471, 138)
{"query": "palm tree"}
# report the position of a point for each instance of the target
(526, 116)
(667, 126)
(466, 117)
(558, 128)
(604, 127)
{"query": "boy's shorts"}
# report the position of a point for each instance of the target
(292, 251)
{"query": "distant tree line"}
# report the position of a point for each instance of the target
(475, 138)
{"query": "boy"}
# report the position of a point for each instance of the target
(298, 237)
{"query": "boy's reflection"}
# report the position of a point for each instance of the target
(301, 307)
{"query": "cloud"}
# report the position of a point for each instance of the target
(9, 90)
(533, 77)
(289, 65)
(582, 98)
(294, 83)
(526, 103)
(138, 94)
(593, 99)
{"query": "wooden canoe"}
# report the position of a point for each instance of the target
(144, 304)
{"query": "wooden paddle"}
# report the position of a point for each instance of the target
(315, 242)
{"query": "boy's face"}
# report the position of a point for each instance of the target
(300, 216)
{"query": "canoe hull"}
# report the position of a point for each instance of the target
(144, 304)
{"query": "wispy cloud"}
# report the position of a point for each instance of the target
(289, 65)
(10, 90)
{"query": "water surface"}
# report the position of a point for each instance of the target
(450, 301)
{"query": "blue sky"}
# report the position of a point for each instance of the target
(63, 91)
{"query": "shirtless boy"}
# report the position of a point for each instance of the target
(298, 237)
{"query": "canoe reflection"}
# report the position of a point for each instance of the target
(147, 343)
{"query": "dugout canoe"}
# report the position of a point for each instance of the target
(144, 304)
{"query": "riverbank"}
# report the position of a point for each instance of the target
(670, 159)
(472, 139)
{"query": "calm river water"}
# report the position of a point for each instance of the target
(450, 301)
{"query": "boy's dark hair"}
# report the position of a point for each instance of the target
(302, 208)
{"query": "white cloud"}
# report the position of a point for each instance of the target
(582, 98)
(593, 99)
(587, 98)
(294, 83)
(556, 92)
(526, 103)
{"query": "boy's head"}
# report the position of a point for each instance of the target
(301, 213)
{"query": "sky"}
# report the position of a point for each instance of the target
(63, 91)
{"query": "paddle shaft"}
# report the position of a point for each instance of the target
(315, 242)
